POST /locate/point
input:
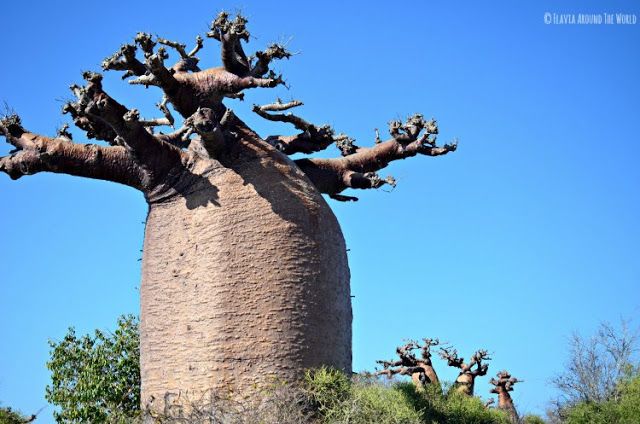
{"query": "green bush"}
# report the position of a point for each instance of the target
(461, 409)
(375, 403)
(339, 400)
(9, 416)
(532, 419)
(96, 378)
(629, 406)
(625, 410)
(327, 389)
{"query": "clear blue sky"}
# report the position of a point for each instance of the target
(528, 232)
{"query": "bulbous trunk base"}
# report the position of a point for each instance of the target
(244, 281)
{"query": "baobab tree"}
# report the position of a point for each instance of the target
(468, 370)
(502, 386)
(244, 271)
(419, 369)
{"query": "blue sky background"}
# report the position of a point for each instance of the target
(528, 232)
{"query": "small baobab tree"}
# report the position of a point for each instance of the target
(420, 369)
(502, 386)
(244, 271)
(468, 370)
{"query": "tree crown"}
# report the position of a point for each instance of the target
(137, 154)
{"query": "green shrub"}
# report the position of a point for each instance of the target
(625, 410)
(9, 416)
(96, 378)
(327, 389)
(373, 402)
(629, 405)
(461, 409)
(338, 399)
(532, 419)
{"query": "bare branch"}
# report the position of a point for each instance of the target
(155, 64)
(345, 144)
(125, 60)
(312, 138)
(197, 48)
(290, 118)
(179, 138)
(180, 48)
(596, 364)
(278, 106)
(377, 140)
(146, 80)
(230, 33)
(165, 110)
(332, 176)
(451, 356)
(134, 116)
(274, 51)
(99, 109)
(188, 61)
(184, 84)
(35, 153)
(63, 133)
(343, 198)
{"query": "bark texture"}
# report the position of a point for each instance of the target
(245, 279)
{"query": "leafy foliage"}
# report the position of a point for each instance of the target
(9, 416)
(532, 419)
(96, 378)
(623, 410)
(367, 400)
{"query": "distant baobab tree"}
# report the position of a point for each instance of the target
(502, 386)
(419, 368)
(465, 382)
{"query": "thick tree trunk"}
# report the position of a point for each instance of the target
(464, 384)
(244, 280)
(431, 375)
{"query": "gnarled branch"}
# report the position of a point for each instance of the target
(264, 58)
(358, 167)
(188, 61)
(97, 107)
(36, 153)
(125, 60)
(230, 33)
(312, 139)
(184, 84)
